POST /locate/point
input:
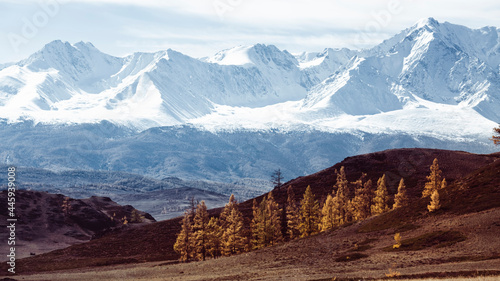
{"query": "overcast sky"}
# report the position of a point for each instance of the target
(202, 27)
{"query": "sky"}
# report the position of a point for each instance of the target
(200, 28)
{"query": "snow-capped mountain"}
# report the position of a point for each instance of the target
(250, 109)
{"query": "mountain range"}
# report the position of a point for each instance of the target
(248, 110)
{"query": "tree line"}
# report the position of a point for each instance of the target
(201, 236)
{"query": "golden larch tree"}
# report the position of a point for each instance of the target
(233, 240)
(381, 198)
(342, 193)
(397, 239)
(273, 212)
(328, 216)
(434, 205)
(292, 215)
(257, 226)
(200, 229)
(434, 180)
(231, 221)
(400, 199)
(184, 243)
(214, 235)
(496, 136)
(309, 214)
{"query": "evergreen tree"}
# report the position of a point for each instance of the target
(184, 244)
(309, 214)
(400, 199)
(434, 180)
(496, 136)
(434, 205)
(292, 215)
(200, 228)
(381, 198)
(214, 235)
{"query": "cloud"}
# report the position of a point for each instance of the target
(202, 27)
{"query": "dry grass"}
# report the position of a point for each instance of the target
(480, 278)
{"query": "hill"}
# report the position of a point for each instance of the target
(43, 226)
(464, 230)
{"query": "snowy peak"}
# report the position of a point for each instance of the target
(426, 65)
(255, 55)
(431, 61)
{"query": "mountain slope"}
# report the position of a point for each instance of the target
(43, 226)
(312, 257)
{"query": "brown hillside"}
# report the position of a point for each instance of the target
(155, 242)
(42, 225)
(459, 239)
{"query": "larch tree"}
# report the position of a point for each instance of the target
(66, 206)
(292, 215)
(400, 199)
(434, 205)
(184, 243)
(362, 199)
(200, 229)
(309, 214)
(342, 193)
(136, 217)
(233, 240)
(214, 233)
(496, 136)
(434, 180)
(328, 219)
(266, 223)
(381, 198)
(273, 212)
(276, 178)
(258, 226)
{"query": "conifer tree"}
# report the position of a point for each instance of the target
(381, 198)
(292, 215)
(66, 206)
(200, 228)
(362, 200)
(342, 194)
(496, 136)
(257, 226)
(327, 218)
(444, 184)
(397, 239)
(273, 212)
(184, 244)
(434, 205)
(233, 241)
(214, 231)
(309, 214)
(434, 180)
(266, 223)
(231, 221)
(400, 199)
(136, 217)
